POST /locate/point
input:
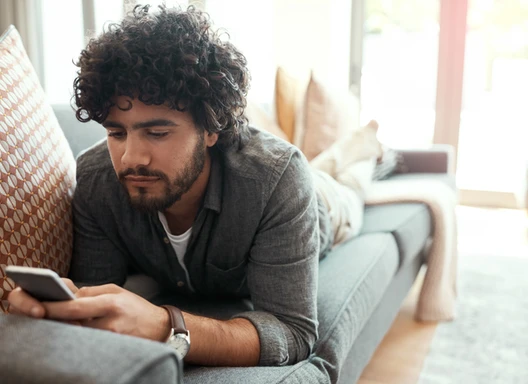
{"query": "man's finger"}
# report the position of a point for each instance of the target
(70, 285)
(74, 322)
(13, 311)
(98, 290)
(80, 309)
(20, 302)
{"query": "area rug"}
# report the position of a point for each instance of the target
(488, 341)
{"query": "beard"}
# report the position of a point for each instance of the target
(174, 188)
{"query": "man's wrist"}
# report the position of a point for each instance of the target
(165, 326)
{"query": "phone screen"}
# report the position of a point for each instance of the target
(44, 286)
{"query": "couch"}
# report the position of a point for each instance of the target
(362, 284)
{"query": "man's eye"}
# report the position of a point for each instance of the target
(158, 134)
(116, 134)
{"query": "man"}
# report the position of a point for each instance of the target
(185, 192)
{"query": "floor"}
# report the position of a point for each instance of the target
(400, 356)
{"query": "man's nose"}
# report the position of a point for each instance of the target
(136, 153)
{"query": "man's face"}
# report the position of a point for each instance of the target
(157, 153)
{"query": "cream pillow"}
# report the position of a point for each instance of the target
(258, 118)
(289, 93)
(37, 171)
(326, 114)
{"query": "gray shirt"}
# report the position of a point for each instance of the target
(259, 234)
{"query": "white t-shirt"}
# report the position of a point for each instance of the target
(179, 243)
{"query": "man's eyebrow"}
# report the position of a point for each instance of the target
(141, 125)
(154, 123)
(112, 124)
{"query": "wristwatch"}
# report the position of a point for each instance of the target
(180, 337)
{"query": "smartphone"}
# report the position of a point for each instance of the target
(42, 284)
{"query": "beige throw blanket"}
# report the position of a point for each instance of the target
(438, 294)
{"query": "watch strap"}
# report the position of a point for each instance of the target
(176, 318)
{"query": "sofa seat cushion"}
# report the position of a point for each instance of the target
(352, 280)
(409, 223)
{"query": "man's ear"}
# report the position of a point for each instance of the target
(211, 139)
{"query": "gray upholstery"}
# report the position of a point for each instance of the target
(42, 351)
(410, 224)
(79, 135)
(379, 323)
(361, 286)
(352, 281)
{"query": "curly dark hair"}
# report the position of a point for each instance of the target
(171, 57)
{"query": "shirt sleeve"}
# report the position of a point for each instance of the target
(283, 268)
(95, 260)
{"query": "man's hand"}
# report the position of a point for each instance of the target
(106, 307)
(227, 343)
(21, 303)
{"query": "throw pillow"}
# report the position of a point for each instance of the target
(289, 92)
(258, 118)
(37, 171)
(326, 115)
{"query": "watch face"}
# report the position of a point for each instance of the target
(181, 344)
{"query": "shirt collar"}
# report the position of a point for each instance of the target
(213, 194)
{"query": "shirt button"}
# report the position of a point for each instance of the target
(181, 284)
(166, 240)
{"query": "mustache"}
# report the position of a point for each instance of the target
(142, 171)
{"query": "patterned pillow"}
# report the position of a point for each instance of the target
(37, 171)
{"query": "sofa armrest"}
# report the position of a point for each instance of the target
(437, 159)
(43, 351)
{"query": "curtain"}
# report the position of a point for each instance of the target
(25, 16)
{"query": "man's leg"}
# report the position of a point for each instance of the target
(342, 175)
(358, 146)
(345, 206)
(42, 351)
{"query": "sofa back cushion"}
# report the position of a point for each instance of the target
(260, 119)
(37, 171)
(327, 114)
(289, 93)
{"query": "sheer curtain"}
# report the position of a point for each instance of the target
(24, 15)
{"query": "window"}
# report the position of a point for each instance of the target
(106, 12)
(62, 42)
(63, 39)
(249, 26)
(400, 57)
